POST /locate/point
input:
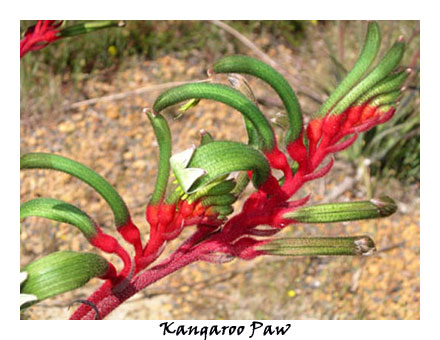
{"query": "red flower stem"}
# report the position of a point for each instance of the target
(110, 245)
(130, 232)
(107, 300)
(278, 160)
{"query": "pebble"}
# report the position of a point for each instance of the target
(112, 111)
(66, 127)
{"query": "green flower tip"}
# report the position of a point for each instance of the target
(385, 205)
(364, 245)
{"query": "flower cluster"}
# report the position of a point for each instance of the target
(208, 179)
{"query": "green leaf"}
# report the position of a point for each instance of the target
(347, 211)
(61, 272)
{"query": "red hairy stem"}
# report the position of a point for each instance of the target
(106, 299)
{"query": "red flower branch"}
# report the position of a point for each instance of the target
(205, 191)
(46, 32)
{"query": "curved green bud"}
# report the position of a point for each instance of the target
(314, 246)
(226, 199)
(385, 108)
(220, 186)
(61, 272)
(364, 61)
(255, 67)
(222, 210)
(163, 136)
(385, 66)
(223, 94)
(391, 83)
(59, 211)
(347, 211)
(85, 174)
(385, 98)
(223, 157)
(89, 27)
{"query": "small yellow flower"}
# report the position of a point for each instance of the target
(112, 50)
(291, 293)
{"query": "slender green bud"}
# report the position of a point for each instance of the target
(365, 59)
(88, 27)
(163, 136)
(314, 246)
(339, 212)
(223, 94)
(256, 68)
(217, 187)
(85, 174)
(391, 83)
(381, 71)
(222, 210)
(226, 199)
(386, 98)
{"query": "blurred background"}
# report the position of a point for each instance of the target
(83, 97)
